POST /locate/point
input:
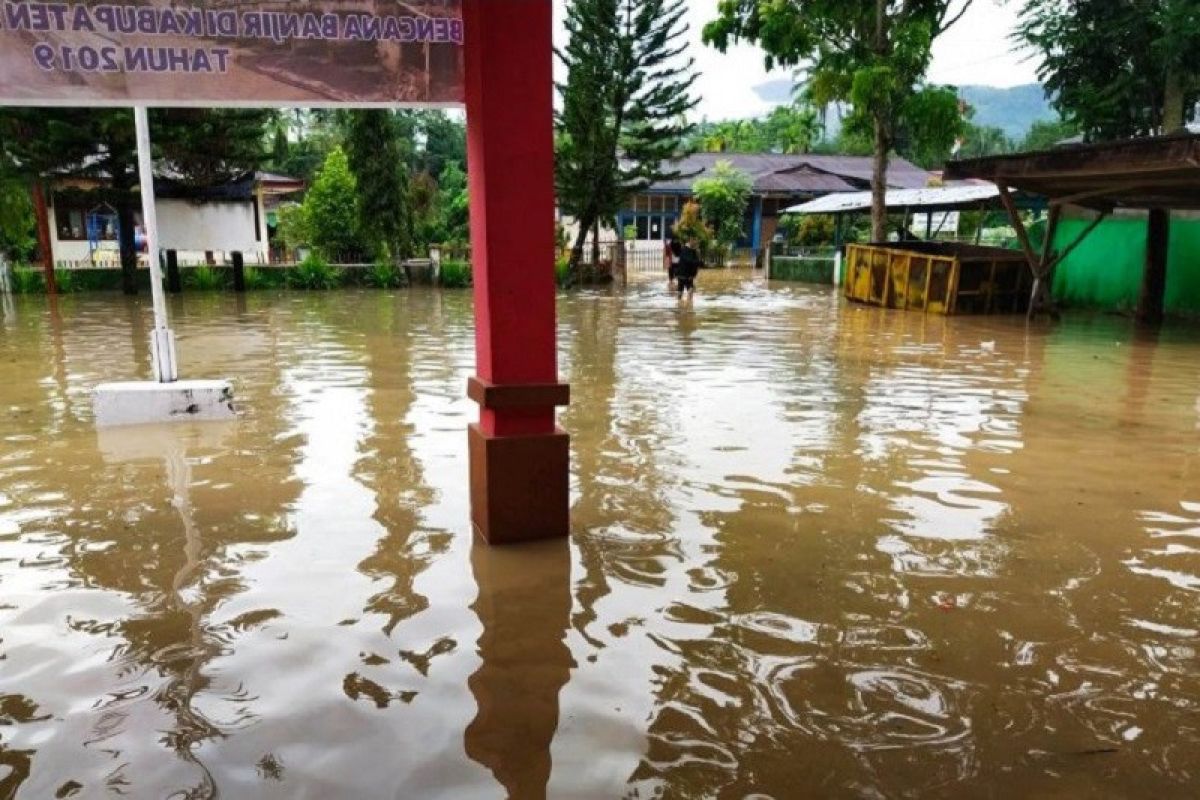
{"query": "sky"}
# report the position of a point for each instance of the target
(977, 50)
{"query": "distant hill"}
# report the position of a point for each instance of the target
(1013, 110)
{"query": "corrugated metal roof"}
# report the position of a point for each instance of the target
(932, 198)
(853, 171)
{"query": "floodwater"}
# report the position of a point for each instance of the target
(819, 550)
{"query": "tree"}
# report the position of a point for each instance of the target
(445, 143)
(871, 53)
(1117, 68)
(723, 196)
(377, 155)
(331, 209)
(622, 123)
(16, 214)
(789, 129)
(984, 140)
(1045, 134)
(691, 227)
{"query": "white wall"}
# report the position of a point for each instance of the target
(219, 226)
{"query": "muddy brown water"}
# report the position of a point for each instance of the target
(819, 550)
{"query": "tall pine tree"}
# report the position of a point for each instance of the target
(628, 90)
(378, 152)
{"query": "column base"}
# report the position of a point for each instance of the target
(520, 486)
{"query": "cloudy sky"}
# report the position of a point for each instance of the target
(975, 51)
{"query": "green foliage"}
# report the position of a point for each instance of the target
(872, 54)
(788, 129)
(204, 278)
(258, 279)
(293, 226)
(1116, 68)
(377, 154)
(385, 275)
(1046, 135)
(18, 238)
(807, 230)
(67, 281)
(210, 146)
(455, 274)
(622, 120)
(331, 209)
(562, 270)
(445, 143)
(313, 273)
(723, 196)
(929, 125)
(28, 281)
(691, 227)
(984, 141)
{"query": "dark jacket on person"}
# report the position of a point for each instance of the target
(689, 263)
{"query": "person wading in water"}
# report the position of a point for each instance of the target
(689, 267)
(671, 253)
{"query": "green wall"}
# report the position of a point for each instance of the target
(1105, 271)
(804, 270)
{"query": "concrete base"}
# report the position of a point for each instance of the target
(520, 488)
(141, 402)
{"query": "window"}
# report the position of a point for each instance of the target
(79, 221)
(643, 227)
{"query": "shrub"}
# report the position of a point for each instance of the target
(204, 278)
(562, 270)
(384, 275)
(455, 274)
(258, 279)
(313, 273)
(67, 281)
(28, 281)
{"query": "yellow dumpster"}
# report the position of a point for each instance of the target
(938, 277)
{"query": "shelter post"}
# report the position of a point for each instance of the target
(518, 455)
(1154, 278)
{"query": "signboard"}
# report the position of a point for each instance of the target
(232, 52)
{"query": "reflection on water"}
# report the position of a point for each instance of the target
(818, 550)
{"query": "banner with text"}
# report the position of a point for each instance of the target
(232, 52)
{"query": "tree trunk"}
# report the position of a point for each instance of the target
(883, 144)
(43, 236)
(596, 246)
(585, 224)
(1173, 103)
(127, 244)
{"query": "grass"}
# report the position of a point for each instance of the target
(204, 279)
(384, 275)
(28, 281)
(455, 274)
(314, 274)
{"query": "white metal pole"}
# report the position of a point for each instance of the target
(162, 340)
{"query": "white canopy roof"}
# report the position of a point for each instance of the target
(931, 198)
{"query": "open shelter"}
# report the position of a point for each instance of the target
(1156, 174)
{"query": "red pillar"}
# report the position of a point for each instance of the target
(519, 457)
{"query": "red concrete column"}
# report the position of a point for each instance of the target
(519, 461)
